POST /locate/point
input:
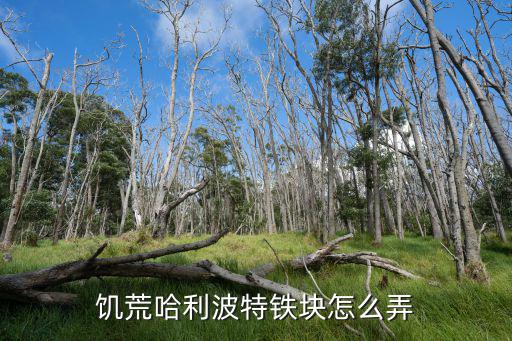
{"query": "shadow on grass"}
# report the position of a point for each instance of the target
(499, 248)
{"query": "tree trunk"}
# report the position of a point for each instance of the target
(125, 200)
(456, 226)
(388, 213)
(486, 108)
(27, 157)
(473, 262)
(12, 185)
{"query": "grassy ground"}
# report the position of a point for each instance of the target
(450, 311)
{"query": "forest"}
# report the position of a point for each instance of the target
(342, 136)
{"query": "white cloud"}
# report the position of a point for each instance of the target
(393, 16)
(385, 3)
(209, 16)
(7, 51)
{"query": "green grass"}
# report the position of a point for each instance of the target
(450, 311)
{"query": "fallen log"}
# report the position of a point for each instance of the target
(316, 259)
(313, 260)
(254, 280)
(34, 286)
(27, 286)
(379, 262)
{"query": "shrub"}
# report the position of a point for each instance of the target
(144, 236)
(30, 238)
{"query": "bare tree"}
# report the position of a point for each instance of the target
(485, 105)
(6, 26)
(473, 260)
(92, 80)
(174, 11)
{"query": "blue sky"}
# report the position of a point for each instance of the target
(88, 25)
(61, 26)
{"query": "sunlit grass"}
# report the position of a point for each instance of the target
(451, 311)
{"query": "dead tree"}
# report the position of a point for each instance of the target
(23, 177)
(35, 286)
(139, 109)
(256, 113)
(439, 41)
(93, 79)
(173, 11)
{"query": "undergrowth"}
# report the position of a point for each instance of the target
(450, 311)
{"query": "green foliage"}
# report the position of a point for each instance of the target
(351, 205)
(395, 115)
(144, 236)
(102, 130)
(5, 173)
(213, 155)
(360, 157)
(411, 221)
(37, 208)
(224, 197)
(501, 186)
(17, 95)
(29, 238)
(349, 52)
(15, 99)
(59, 125)
(365, 131)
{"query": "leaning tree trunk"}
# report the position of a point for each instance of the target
(473, 262)
(486, 108)
(481, 161)
(27, 157)
(35, 286)
(388, 213)
(12, 185)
